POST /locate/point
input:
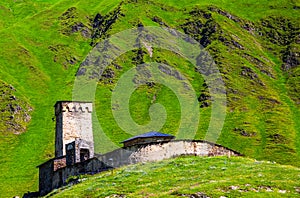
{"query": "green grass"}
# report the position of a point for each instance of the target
(214, 176)
(43, 82)
(251, 10)
(30, 29)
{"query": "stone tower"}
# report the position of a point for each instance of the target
(73, 124)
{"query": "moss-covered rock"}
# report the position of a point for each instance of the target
(14, 111)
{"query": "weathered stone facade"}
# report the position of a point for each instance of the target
(163, 150)
(73, 121)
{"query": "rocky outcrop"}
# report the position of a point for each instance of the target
(283, 34)
(159, 20)
(291, 57)
(203, 28)
(244, 132)
(264, 67)
(204, 100)
(250, 74)
(62, 55)
(139, 56)
(101, 24)
(107, 76)
(14, 111)
(70, 23)
(279, 30)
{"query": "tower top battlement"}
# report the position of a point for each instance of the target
(73, 106)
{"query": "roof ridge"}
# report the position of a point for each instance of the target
(149, 134)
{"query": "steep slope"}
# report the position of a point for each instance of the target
(255, 46)
(190, 177)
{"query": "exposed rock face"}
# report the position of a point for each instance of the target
(101, 24)
(279, 30)
(249, 73)
(139, 57)
(291, 57)
(243, 132)
(107, 76)
(261, 65)
(91, 28)
(70, 23)
(284, 33)
(158, 20)
(203, 28)
(14, 112)
(204, 99)
(63, 56)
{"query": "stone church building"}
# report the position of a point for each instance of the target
(74, 148)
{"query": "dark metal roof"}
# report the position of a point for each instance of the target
(149, 134)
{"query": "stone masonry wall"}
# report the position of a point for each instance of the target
(164, 150)
(74, 120)
(90, 166)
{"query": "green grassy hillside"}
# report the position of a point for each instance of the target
(42, 43)
(190, 177)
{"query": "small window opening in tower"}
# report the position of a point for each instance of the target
(84, 154)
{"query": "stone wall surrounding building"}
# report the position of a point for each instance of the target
(163, 150)
(51, 178)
